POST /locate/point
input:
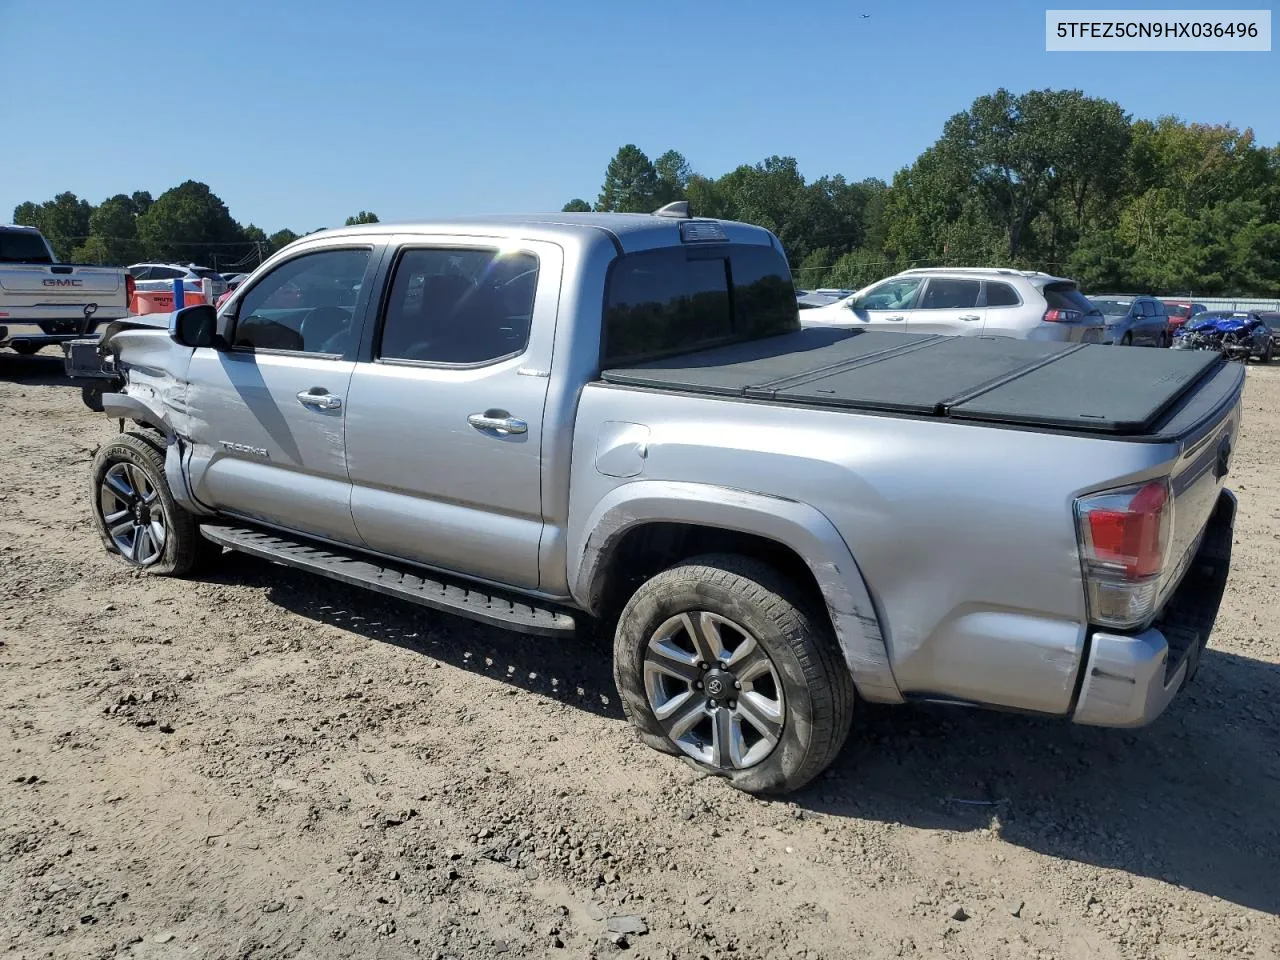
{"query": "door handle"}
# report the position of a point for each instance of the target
(498, 420)
(970, 316)
(893, 318)
(320, 399)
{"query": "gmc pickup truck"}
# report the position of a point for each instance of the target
(544, 422)
(43, 302)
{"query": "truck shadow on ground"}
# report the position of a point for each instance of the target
(45, 369)
(1190, 800)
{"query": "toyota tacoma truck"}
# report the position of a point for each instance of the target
(548, 422)
(44, 302)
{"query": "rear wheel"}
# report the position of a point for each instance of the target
(719, 660)
(135, 513)
(1126, 340)
(26, 349)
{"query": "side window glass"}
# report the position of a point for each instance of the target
(140, 273)
(1001, 295)
(943, 294)
(459, 306)
(892, 294)
(165, 273)
(305, 305)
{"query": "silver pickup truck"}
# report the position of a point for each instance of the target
(547, 421)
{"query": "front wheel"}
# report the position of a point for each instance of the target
(1126, 340)
(720, 660)
(26, 349)
(135, 514)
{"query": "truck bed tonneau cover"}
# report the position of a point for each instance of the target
(1079, 387)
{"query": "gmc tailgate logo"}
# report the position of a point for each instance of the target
(54, 282)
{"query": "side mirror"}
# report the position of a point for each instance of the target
(195, 326)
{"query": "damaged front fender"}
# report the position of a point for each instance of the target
(154, 369)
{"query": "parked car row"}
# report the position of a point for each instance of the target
(969, 301)
(1022, 304)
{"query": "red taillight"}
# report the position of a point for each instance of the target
(1124, 542)
(130, 288)
(1131, 540)
(1061, 316)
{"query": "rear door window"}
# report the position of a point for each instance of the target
(455, 306)
(1001, 295)
(946, 294)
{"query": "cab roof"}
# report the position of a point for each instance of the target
(629, 232)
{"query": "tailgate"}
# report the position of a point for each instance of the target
(1201, 471)
(29, 285)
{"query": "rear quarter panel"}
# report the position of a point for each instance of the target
(964, 533)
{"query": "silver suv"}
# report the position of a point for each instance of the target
(160, 276)
(969, 301)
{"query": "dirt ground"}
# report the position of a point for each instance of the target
(262, 764)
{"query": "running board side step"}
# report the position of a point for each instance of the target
(456, 597)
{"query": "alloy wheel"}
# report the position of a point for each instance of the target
(132, 514)
(714, 689)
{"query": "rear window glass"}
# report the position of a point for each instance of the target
(18, 246)
(679, 299)
(1065, 296)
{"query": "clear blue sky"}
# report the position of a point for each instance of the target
(301, 112)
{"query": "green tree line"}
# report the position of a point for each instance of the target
(188, 224)
(1049, 180)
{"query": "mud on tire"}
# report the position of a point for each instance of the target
(129, 470)
(815, 690)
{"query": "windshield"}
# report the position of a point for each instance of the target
(1113, 308)
(19, 246)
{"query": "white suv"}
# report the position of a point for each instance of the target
(969, 301)
(160, 276)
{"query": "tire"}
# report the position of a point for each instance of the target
(91, 394)
(1267, 353)
(138, 460)
(1126, 340)
(26, 349)
(737, 599)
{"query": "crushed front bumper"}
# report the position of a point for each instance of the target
(1131, 678)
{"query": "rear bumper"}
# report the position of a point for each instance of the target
(49, 331)
(1130, 679)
